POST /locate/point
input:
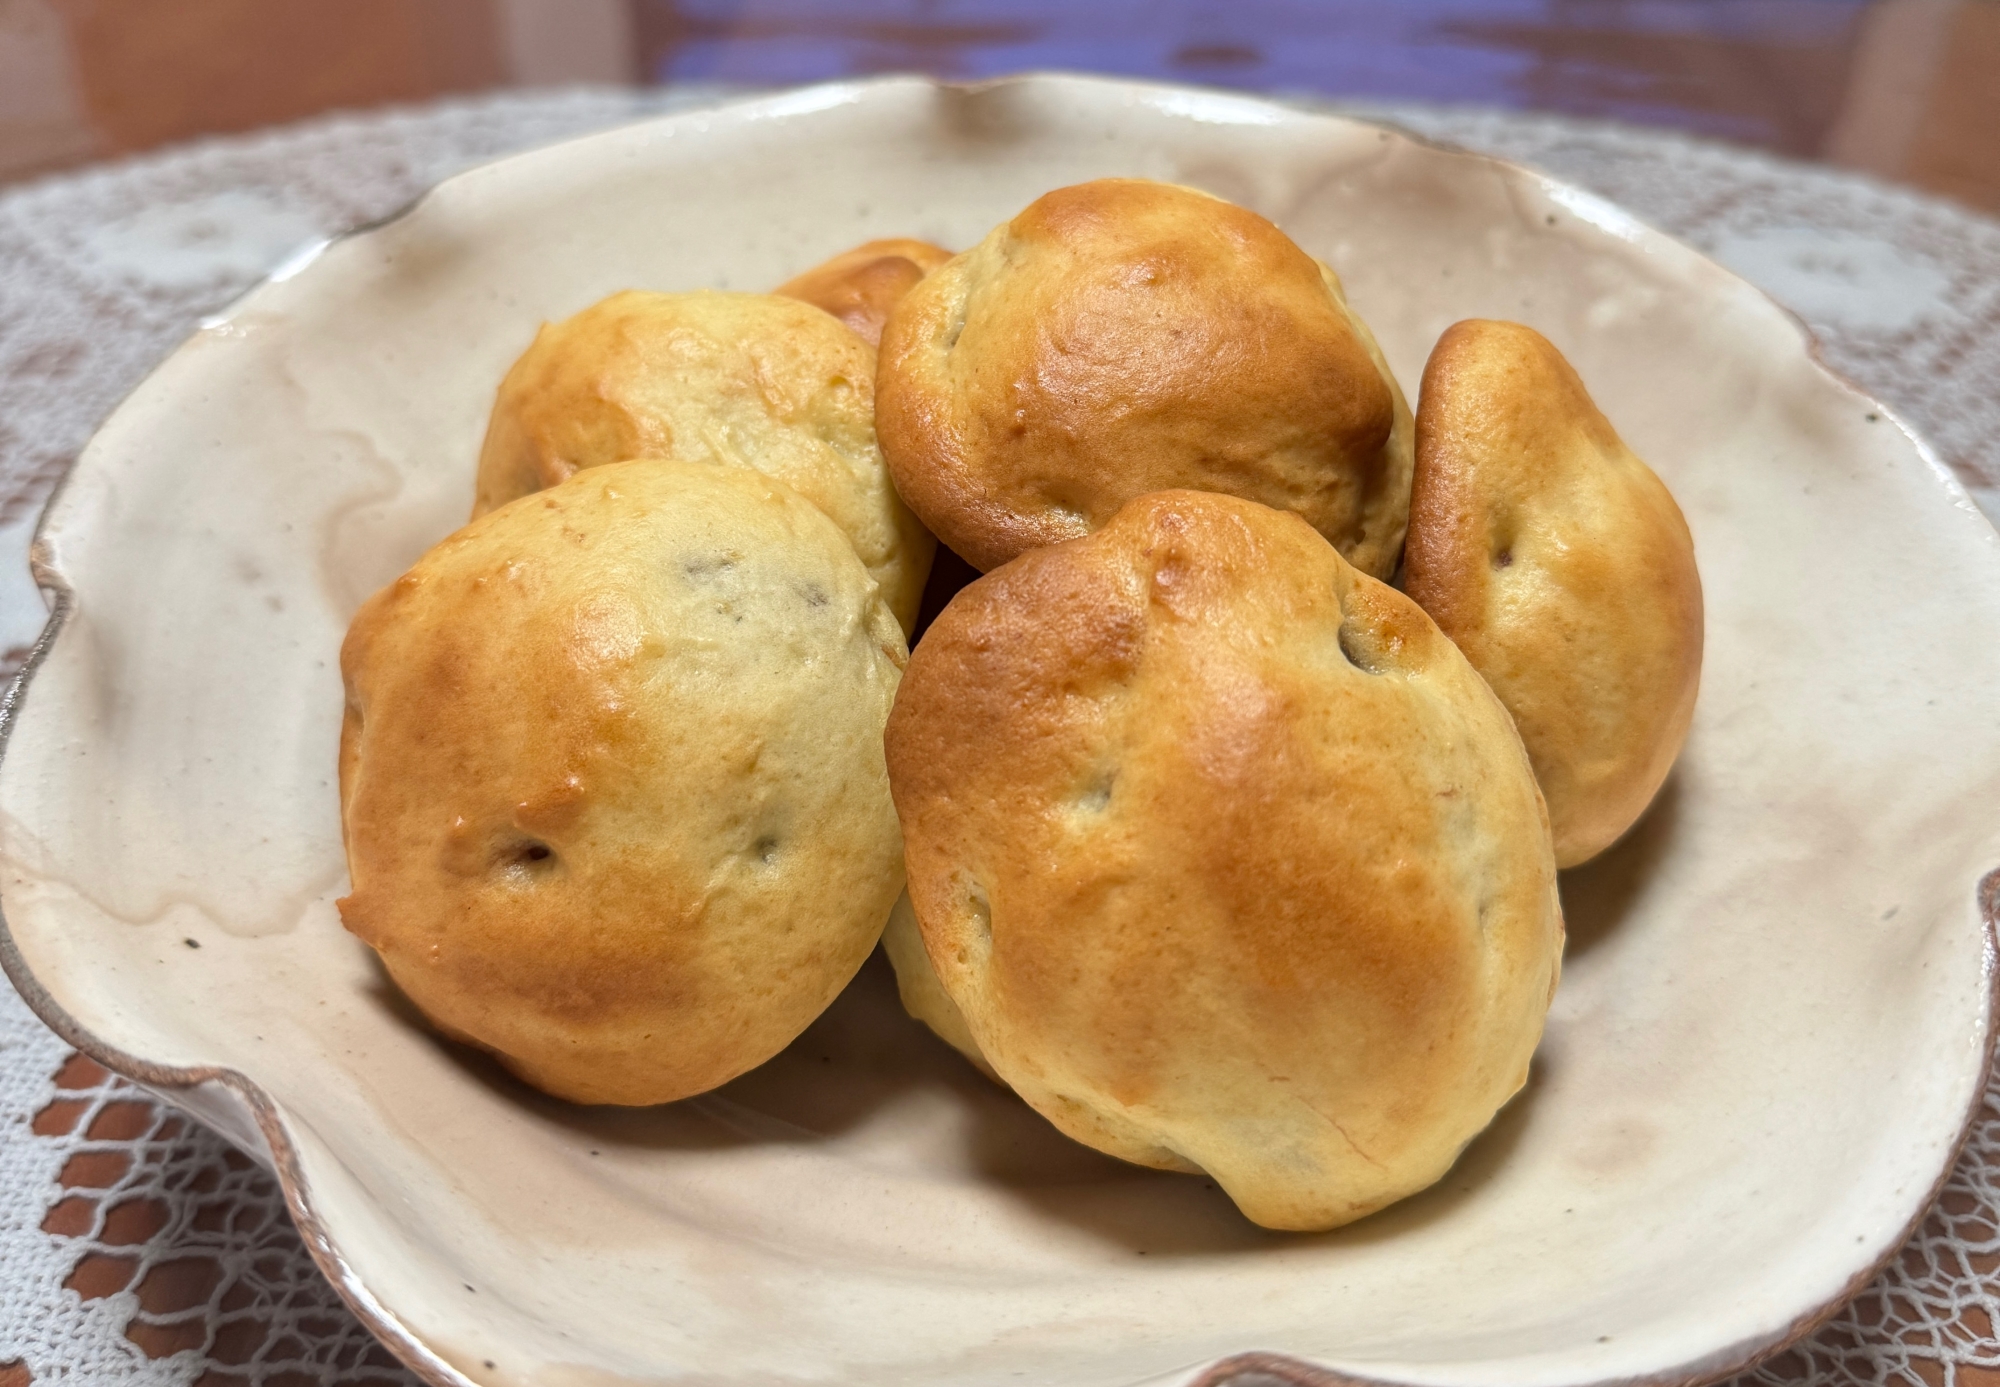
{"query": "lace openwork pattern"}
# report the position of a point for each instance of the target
(137, 1247)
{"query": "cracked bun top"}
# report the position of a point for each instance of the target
(1227, 857)
(1564, 570)
(744, 380)
(861, 286)
(612, 778)
(1125, 336)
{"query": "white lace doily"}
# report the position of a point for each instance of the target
(136, 1248)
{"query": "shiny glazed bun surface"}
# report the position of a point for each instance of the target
(612, 779)
(1125, 336)
(1562, 567)
(752, 381)
(1226, 856)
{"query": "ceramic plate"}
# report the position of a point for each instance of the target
(1777, 1005)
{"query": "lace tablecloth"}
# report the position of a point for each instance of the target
(138, 1248)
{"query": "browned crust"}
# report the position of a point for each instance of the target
(1121, 337)
(1194, 765)
(1562, 567)
(537, 785)
(1444, 526)
(578, 397)
(862, 286)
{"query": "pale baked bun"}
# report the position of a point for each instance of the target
(862, 285)
(922, 995)
(1228, 858)
(612, 778)
(1563, 569)
(746, 380)
(1124, 336)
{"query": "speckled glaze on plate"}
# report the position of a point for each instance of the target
(1777, 1006)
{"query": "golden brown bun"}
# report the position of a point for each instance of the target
(862, 285)
(1229, 859)
(612, 778)
(917, 984)
(1121, 337)
(1562, 568)
(747, 380)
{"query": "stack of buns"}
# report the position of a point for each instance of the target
(1229, 800)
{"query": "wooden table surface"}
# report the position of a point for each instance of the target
(1908, 89)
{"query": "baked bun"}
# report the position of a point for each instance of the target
(1229, 859)
(746, 380)
(1121, 337)
(860, 286)
(612, 780)
(923, 996)
(1562, 568)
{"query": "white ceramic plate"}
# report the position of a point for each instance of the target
(1776, 1012)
